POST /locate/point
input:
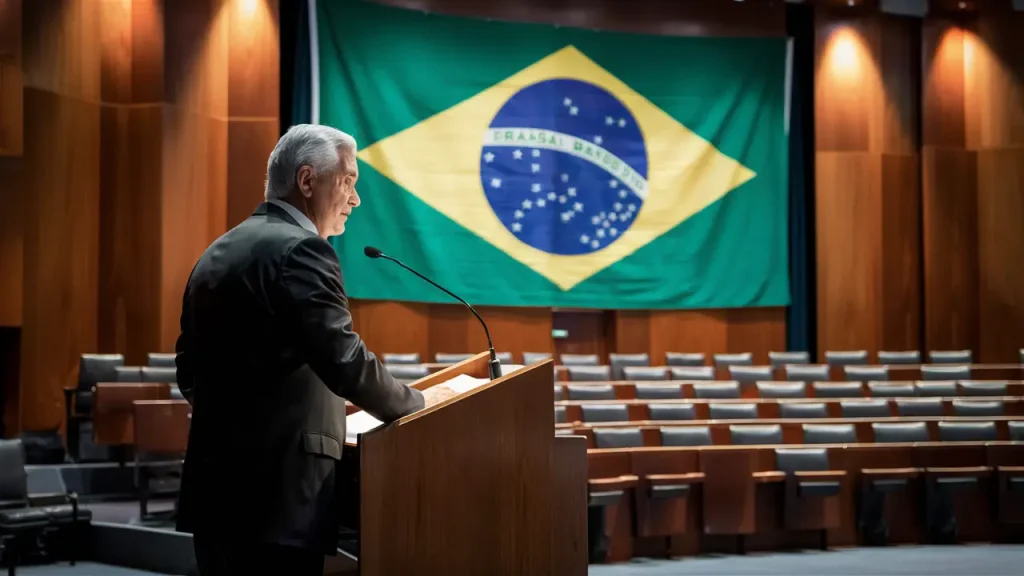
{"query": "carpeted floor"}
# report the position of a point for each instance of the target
(80, 569)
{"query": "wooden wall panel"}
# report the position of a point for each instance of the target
(249, 145)
(901, 253)
(589, 331)
(393, 326)
(12, 221)
(11, 82)
(515, 330)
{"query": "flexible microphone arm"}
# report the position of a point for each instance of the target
(494, 366)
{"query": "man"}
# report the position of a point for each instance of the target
(267, 357)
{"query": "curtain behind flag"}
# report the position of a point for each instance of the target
(523, 164)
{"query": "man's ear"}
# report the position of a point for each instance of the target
(304, 181)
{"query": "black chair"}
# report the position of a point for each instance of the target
(161, 359)
(866, 373)
(903, 357)
(733, 411)
(867, 408)
(159, 374)
(717, 391)
(684, 359)
(972, 388)
(618, 438)
(589, 373)
(691, 373)
(943, 372)
(644, 373)
(798, 489)
(92, 368)
(580, 360)
(743, 373)
(620, 361)
(967, 432)
(978, 408)
(777, 359)
(503, 357)
(936, 389)
(128, 374)
(560, 415)
(919, 407)
(838, 390)
(888, 433)
(782, 389)
(591, 392)
(407, 373)
(665, 411)
(401, 358)
(755, 435)
(452, 358)
(893, 390)
(685, 436)
(605, 413)
(559, 393)
(1016, 429)
(807, 373)
(950, 356)
(829, 434)
(846, 357)
(741, 359)
(658, 391)
(535, 357)
(803, 410)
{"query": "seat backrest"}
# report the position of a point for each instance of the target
(750, 373)
(560, 415)
(967, 432)
(589, 373)
(580, 360)
(691, 373)
(867, 408)
(127, 374)
(892, 390)
(684, 359)
(782, 358)
(13, 479)
(452, 357)
(938, 388)
(927, 407)
(899, 357)
(591, 392)
(559, 392)
(93, 368)
(620, 361)
(791, 460)
(741, 359)
(162, 426)
(605, 413)
(407, 372)
(803, 410)
(807, 373)
(942, 372)
(658, 391)
(401, 358)
(158, 374)
(45, 485)
(717, 390)
(644, 373)
(829, 434)
(950, 356)
(733, 411)
(535, 357)
(618, 437)
(846, 357)
(664, 411)
(685, 436)
(754, 434)
(782, 389)
(978, 408)
(866, 373)
(503, 357)
(1016, 430)
(161, 359)
(975, 388)
(886, 432)
(838, 390)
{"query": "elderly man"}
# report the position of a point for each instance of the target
(267, 357)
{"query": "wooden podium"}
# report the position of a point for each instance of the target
(476, 484)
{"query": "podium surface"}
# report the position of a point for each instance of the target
(475, 484)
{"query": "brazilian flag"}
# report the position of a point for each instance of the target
(532, 165)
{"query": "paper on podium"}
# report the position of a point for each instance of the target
(361, 422)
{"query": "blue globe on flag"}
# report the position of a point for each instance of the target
(564, 167)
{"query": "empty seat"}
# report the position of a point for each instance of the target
(939, 388)
(891, 390)
(829, 434)
(535, 357)
(407, 372)
(747, 435)
(589, 373)
(560, 415)
(605, 413)
(899, 357)
(967, 432)
(933, 372)
(793, 460)
(452, 358)
(665, 411)
(929, 407)
(620, 361)
(871, 408)
(803, 410)
(580, 360)
(846, 357)
(403, 358)
(504, 357)
(900, 432)
(737, 411)
(750, 373)
(643, 373)
(159, 374)
(866, 373)
(684, 359)
(978, 408)
(950, 356)
(742, 359)
(782, 389)
(559, 393)
(975, 388)
(691, 373)
(618, 437)
(1016, 430)
(718, 390)
(161, 359)
(591, 392)
(685, 436)
(837, 390)
(808, 373)
(127, 374)
(94, 368)
(783, 358)
(658, 391)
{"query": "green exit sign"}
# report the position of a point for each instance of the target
(557, 334)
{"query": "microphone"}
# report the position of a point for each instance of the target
(494, 366)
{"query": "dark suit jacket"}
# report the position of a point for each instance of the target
(267, 356)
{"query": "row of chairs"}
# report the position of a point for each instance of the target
(735, 389)
(744, 373)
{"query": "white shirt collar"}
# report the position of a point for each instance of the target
(295, 213)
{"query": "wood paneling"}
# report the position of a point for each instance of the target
(253, 60)
(756, 330)
(589, 331)
(901, 253)
(393, 326)
(11, 83)
(249, 145)
(12, 221)
(62, 53)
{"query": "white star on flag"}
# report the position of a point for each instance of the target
(608, 120)
(517, 154)
(489, 157)
(535, 188)
(594, 243)
(567, 102)
(552, 195)
(632, 207)
(565, 177)
(598, 140)
(623, 193)
(534, 168)
(613, 183)
(584, 239)
(613, 216)
(595, 220)
(606, 224)
(566, 216)
(518, 214)
(495, 182)
(561, 199)
(602, 215)
(535, 153)
(541, 203)
(516, 226)
(617, 206)
(571, 192)
(622, 122)
(578, 207)
(527, 204)
(600, 232)
(573, 111)
(613, 232)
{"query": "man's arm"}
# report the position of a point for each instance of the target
(317, 314)
(182, 359)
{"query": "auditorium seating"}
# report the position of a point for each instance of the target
(160, 359)
(779, 359)
(950, 356)
(846, 357)
(92, 368)
(619, 362)
(691, 358)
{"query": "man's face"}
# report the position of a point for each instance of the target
(334, 197)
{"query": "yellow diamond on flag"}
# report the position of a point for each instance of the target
(672, 173)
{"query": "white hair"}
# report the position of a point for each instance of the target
(314, 145)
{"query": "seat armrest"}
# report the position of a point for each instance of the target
(1010, 469)
(891, 473)
(618, 483)
(820, 475)
(674, 479)
(965, 472)
(769, 476)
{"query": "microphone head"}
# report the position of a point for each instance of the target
(372, 252)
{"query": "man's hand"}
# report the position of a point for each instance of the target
(437, 394)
